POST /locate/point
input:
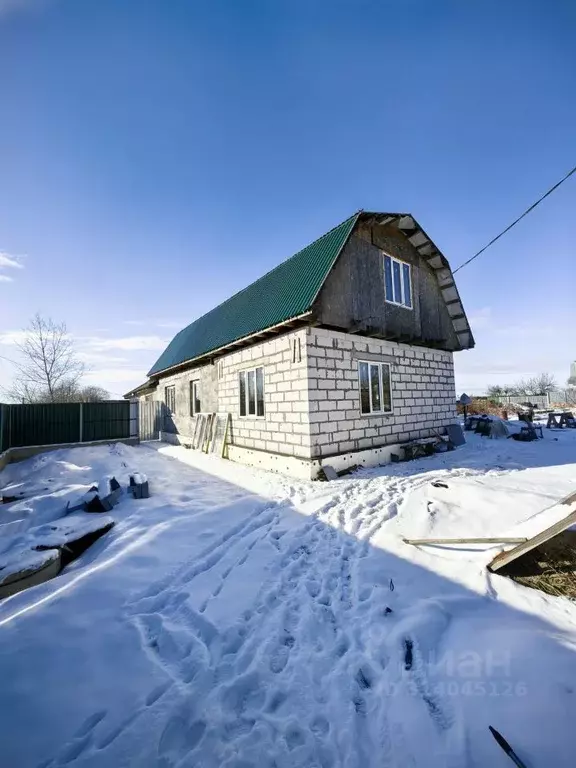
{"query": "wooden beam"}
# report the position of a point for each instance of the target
(406, 222)
(432, 343)
(541, 538)
(501, 540)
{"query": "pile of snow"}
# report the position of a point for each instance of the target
(239, 618)
(23, 560)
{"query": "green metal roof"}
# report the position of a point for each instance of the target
(287, 291)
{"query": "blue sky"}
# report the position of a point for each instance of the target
(158, 156)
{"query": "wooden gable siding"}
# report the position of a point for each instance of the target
(353, 297)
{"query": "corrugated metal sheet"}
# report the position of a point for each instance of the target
(43, 424)
(3, 427)
(287, 291)
(106, 421)
(53, 423)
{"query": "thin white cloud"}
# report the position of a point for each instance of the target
(10, 261)
(176, 324)
(105, 376)
(127, 343)
(7, 261)
(12, 337)
(514, 344)
(94, 358)
(480, 318)
(159, 323)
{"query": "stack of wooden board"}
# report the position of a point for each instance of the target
(211, 432)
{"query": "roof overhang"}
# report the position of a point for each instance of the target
(275, 330)
(142, 389)
(434, 257)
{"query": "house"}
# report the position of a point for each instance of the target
(338, 355)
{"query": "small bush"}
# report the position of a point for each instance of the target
(480, 405)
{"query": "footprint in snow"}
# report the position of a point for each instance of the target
(157, 693)
(244, 694)
(320, 726)
(91, 722)
(294, 736)
(281, 654)
(81, 740)
(276, 700)
(180, 736)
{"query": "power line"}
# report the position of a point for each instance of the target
(526, 212)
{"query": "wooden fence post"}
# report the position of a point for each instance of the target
(81, 424)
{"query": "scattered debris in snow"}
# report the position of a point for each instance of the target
(239, 618)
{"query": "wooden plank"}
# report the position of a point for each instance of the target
(541, 538)
(196, 429)
(224, 442)
(201, 427)
(208, 433)
(219, 433)
(215, 427)
(497, 540)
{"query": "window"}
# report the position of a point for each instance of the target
(170, 397)
(195, 404)
(375, 388)
(251, 392)
(398, 282)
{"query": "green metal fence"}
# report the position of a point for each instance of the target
(52, 423)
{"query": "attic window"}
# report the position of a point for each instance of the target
(398, 282)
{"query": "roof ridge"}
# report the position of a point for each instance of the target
(266, 274)
(287, 290)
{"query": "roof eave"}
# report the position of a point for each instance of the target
(273, 330)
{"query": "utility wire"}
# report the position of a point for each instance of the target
(526, 212)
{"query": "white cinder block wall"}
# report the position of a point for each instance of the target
(312, 399)
(423, 392)
(285, 427)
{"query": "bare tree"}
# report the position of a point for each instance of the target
(49, 366)
(542, 384)
(93, 394)
(536, 385)
(496, 391)
(73, 393)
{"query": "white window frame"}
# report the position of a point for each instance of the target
(194, 394)
(249, 415)
(402, 282)
(172, 388)
(372, 412)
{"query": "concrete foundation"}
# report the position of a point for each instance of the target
(308, 469)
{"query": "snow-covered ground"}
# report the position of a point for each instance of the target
(239, 618)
